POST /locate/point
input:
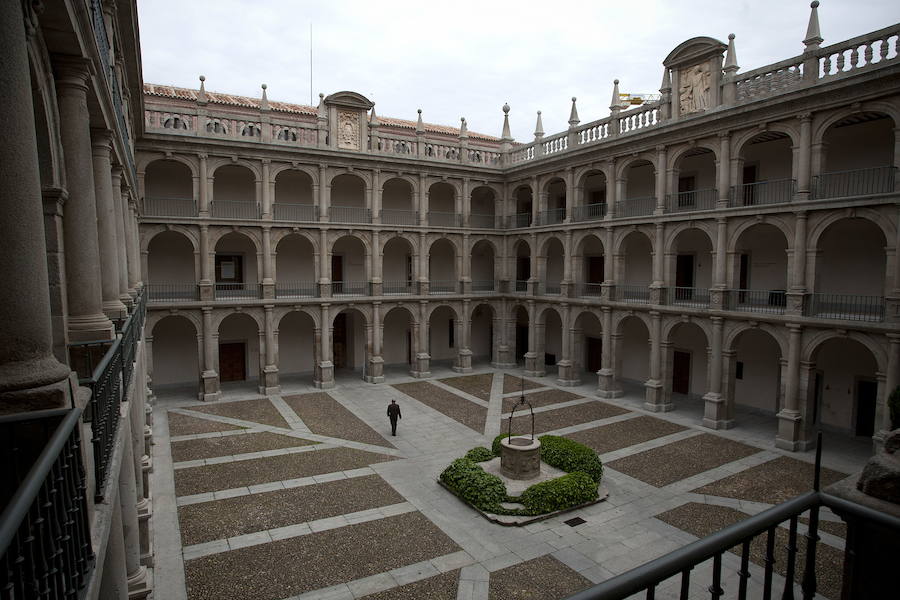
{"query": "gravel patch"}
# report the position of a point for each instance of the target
(624, 433)
(543, 578)
(564, 417)
(544, 398)
(211, 478)
(704, 519)
(682, 459)
(835, 528)
(184, 425)
(457, 408)
(439, 587)
(326, 416)
(310, 562)
(475, 385)
(772, 482)
(259, 410)
(233, 444)
(220, 519)
(511, 384)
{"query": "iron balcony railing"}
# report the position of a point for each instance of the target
(848, 307)
(590, 290)
(521, 285)
(391, 288)
(172, 292)
(687, 296)
(390, 216)
(350, 288)
(759, 301)
(776, 191)
(236, 291)
(552, 289)
(635, 207)
(552, 216)
(519, 220)
(639, 294)
(170, 207)
(590, 212)
(441, 286)
(229, 209)
(296, 289)
(482, 221)
(483, 286)
(857, 182)
(294, 212)
(692, 200)
(349, 214)
(45, 536)
(444, 219)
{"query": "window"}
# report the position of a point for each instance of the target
(229, 268)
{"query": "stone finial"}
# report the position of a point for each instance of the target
(731, 65)
(506, 135)
(813, 35)
(573, 114)
(666, 86)
(420, 127)
(321, 112)
(463, 128)
(373, 119)
(539, 127)
(201, 95)
(264, 102)
(614, 103)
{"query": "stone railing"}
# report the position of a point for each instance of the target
(869, 50)
(769, 80)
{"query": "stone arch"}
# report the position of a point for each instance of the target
(168, 180)
(295, 260)
(400, 344)
(361, 175)
(442, 267)
(172, 265)
(193, 317)
(338, 235)
(278, 234)
(213, 167)
(145, 160)
(587, 342)
(671, 323)
(412, 181)
(673, 231)
(364, 310)
(351, 337)
(582, 174)
(175, 350)
(742, 139)
(678, 152)
(296, 349)
(787, 230)
(483, 261)
(483, 335)
(399, 267)
(277, 169)
(624, 164)
(690, 338)
(760, 350)
(281, 312)
(411, 239)
(632, 347)
(821, 224)
(850, 258)
(433, 306)
(815, 342)
(622, 233)
(620, 317)
(252, 234)
(732, 335)
(253, 313)
(820, 127)
(149, 232)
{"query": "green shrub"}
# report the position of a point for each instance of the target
(495, 446)
(479, 454)
(894, 406)
(471, 483)
(560, 493)
(569, 456)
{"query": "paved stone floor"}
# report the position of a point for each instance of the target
(307, 495)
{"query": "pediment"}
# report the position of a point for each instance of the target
(348, 99)
(693, 51)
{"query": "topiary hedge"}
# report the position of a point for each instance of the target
(569, 456)
(479, 454)
(560, 493)
(495, 445)
(472, 484)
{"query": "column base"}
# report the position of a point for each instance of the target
(145, 532)
(789, 428)
(375, 372)
(503, 365)
(463, 361)
(715, 412)
(148, 440)
(210, 391)
(114, 309)
(139, 584)
(325, 372)
(607, 386)
(654, 397)
(566, 374)
(422, 366)
(91, 328)
(269, 384)
(505, 359)
(531, 365)
(35, 385)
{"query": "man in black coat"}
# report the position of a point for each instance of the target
(393, 413)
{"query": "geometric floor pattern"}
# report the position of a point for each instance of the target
(307, 495)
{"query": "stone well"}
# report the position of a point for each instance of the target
(520, 457)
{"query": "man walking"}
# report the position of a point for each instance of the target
(393, 413)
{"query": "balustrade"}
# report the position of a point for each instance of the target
(847, 307)
(639, 294)
(170, 207)
(878, 47)
(552, 216)
(777, 191)
(294, 212)
(296, 289)
(687, 296)
(692, 200)
(590, 212)
(635, 207)
(349, 214)
(227, 209)
(760, 301)
(769, 80)
(172, 292)
(857, 182)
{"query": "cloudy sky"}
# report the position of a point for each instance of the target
(466, 58)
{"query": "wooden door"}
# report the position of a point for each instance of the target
(681, 372)
(866, 392)
(593, 353)
(233, 361)
(340, 341)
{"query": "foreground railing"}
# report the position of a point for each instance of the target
(687, 296)
(777, 191)
(294, 212)
(45, 538)
(170, 207)
(172, 292)
(296, 289)
(848, 307)
(761, 301)
(858, 182)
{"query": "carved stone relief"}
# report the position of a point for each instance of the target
(694, 88)
(348, 130)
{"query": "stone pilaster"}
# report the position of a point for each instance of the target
(126, 294)
(607, 386)
(325, 369)
(789, 421)
(655, 394)
(269, 384)
(375, 370)
(210, 391)
(101, 144)
(137, 577)
(716, 412)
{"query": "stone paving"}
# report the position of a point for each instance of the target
(306, 495)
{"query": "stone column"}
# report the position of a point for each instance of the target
(269, 384)
(609, 275)
(87, 321)
(268, 279)
(210, 368)
(536, 264)
(132, 243)
(136, 574)
(803, 162)
(423, 358)
(720, 278)
(466, 202)
(324, 265)
(571, 194)
(797, 286)
(377, 192)
(567, 285)
(324, 193)
(464, 353)
(788, 437)
(658, 287)
(654, 395)
(566, 374)
(723, 167)
(106, 225)
(716, 412)
(464, 260)
(31, 378)
(423, 264)
(422, 202)
(891, 381)
(532, 365)
(375, 372)
(266, 190)
(607, 387)
(376, 261)
(204, 186)
(660, 180)
(326, 367)
(114, 581)
(121, 241)
(207, 257)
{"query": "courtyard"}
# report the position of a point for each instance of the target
(306, 494)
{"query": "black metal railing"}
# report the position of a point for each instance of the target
(444, 219)
(639, 294)
(231, 209)
(443, 286)
(45, 538)
(391, 216)
(552, 289)
(692, 200)
(350, 288)
(482, 221)
(776, 191)
(398, 287)
(519, 220)
(483, 286)
(349, 214)
(590, 212)
(520, 285)
(687, 296)
(552, 216)
(590, 290)
(858, 182)
(289, 211)
(760, 301)
(635, 207)
(848, 307)
(172, 292)
(236, 291)
(296, 289)
(170, 207)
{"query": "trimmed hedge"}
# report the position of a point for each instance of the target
(471, 483)
(495, 445)
(479, 454)
(560, 493)
(570, 456)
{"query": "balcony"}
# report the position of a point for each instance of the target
(847, 307)
(294, 212)
(692, 200)
(172, 292)
(444, 219)
(350, 288)
(758, 301)
(590, 290)
(590, 212)
(553, 216)
(777, 191)
(391, 216)
(484, 287)
(687, 296)
(349, 214)
(237, 291)
(227, 209)
(635, 207)
(520, 286)
(519, 220)
(398, 288)
(439, 286)
(858, 182)
(296, 289)
(483, 221)
(551, 289)
(638, 294)
(170, 207)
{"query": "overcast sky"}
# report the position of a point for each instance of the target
(466, 58)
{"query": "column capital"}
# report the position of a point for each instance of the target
(72, 72)
(101, 140)
(801, 214)
(206, 309)
(805, 117)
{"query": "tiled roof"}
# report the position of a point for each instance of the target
(169, 91)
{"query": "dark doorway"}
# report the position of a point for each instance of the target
(866, 393)
(595, 272)
(743, 277)
(340, 341)
(749, 190)
(817, 399)
(521, 341)
(233, 361)
(686, 185)
(684, 271)
(593, 349)
(409, 354)
(681, 372)
(523, 268)
(337, 273)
